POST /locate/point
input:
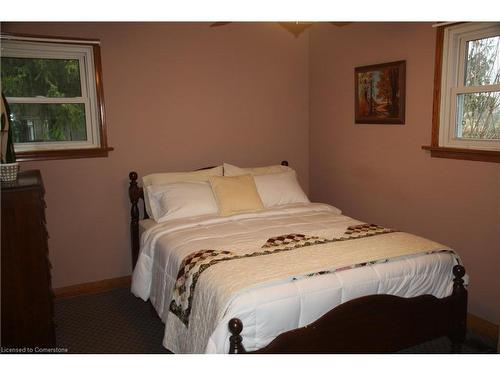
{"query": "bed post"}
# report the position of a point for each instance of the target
(459, 308)
(235, 345)
(134, 195)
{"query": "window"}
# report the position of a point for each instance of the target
(54, 91)
(466, 121)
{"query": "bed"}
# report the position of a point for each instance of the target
(252, 283)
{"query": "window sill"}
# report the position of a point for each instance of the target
(463, 154)
(63, 154)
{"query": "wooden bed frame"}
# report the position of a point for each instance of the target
(372, 324)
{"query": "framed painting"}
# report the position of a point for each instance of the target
(380, 93)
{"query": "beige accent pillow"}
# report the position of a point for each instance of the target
(236, 194)
(233, 170)
(168, 178)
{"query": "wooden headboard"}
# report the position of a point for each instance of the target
(136, 193)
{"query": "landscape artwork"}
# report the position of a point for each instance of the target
(380, 93)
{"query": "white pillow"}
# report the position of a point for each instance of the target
(279, 188)
(171, 177)
(181, 199)
(233, 170)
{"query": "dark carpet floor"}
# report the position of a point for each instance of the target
(118, 322)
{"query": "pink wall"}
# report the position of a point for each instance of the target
(179, 96)
(379, 173)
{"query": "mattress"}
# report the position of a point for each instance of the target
(271, 309)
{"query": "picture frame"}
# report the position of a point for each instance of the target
(380, 93)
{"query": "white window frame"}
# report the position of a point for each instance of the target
(28, 48)
(452, 83)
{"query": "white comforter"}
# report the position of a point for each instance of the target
(268, 310)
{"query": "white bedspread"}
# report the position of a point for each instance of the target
(268, 310)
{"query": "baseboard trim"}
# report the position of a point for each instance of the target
(92, 287)
(482, 327)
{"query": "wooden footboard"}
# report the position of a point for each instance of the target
(374, 324)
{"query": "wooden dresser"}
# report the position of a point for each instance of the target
(27, 299)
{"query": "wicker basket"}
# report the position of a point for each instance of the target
(8, 172)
